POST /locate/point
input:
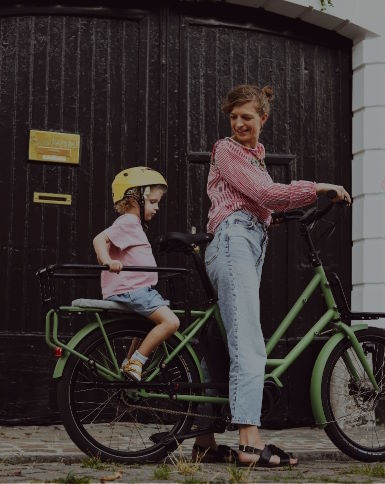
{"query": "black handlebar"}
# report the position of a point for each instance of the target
(306, 217)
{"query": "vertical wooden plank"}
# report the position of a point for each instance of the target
(85, 60)
(10, 68)
(174, 101)
(224, 77)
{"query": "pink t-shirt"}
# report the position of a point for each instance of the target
(130, 245)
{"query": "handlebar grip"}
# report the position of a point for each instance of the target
(331, 194)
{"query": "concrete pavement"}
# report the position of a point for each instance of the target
(34, 454)
(20, 444)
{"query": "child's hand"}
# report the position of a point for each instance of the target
(115, 266)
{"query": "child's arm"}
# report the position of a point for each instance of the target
(101, 243)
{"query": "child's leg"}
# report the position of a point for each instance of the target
(135, 343)
(166, 325)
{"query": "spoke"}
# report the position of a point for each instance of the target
(100, 407)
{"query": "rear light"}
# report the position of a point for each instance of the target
(58, 352)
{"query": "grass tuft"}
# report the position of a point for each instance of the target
(374, 470)
(72, 478)
(237, 475)
(94, 463)
(183, 465)
(162, 472)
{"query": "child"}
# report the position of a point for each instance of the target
(136, 193)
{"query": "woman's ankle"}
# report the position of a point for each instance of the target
(249, 435)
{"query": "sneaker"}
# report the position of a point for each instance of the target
(124, 363)
(132, 369)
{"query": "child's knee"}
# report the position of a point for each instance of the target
(173, 323)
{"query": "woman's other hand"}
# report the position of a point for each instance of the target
(342, 194)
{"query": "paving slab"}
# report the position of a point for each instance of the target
(21, 444)
(180, 472)
(35, 454)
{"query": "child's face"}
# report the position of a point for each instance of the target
(246, 124)
(151, 204)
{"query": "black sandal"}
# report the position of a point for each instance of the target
(265, 455)
(222, 454)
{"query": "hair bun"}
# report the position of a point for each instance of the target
(268, 92)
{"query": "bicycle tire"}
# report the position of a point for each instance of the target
(116, 424)
(354, 412)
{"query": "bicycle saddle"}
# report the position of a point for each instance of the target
(182, 242)
(101, 304)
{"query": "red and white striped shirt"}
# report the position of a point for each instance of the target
(238, 180)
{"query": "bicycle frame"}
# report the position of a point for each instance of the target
(279, 366)
(335, 315)
(276, 367)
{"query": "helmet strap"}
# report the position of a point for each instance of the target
(141, 202)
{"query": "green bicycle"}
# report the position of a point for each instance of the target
(115, 419)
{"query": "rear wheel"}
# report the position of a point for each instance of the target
(354, 410)
(116, 423)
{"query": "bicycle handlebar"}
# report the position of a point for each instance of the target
(306, 217)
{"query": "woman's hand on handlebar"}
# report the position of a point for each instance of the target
(341, 194)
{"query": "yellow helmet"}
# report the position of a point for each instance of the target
(138, 176)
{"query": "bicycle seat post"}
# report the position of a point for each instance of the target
(200, 266)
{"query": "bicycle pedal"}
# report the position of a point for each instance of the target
(271, 397)
(232, 427)
(218, 427)
(156, 438)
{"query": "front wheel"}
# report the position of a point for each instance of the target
(354, 411)
(120, 424)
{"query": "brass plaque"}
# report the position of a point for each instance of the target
(56, 198)
(54, 147)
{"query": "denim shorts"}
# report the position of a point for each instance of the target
(143, 301)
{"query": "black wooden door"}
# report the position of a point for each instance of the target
(98, 77)
(144, 86)
(307, 137)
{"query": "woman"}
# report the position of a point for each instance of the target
(243, 196)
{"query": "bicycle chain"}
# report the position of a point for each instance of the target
(174, 412)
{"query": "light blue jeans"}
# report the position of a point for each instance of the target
(234, 261)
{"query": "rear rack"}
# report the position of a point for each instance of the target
(346, 314)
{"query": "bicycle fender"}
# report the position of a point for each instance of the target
(89, 328)
(318, 371)
(72, 343)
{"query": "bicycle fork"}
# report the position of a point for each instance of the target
(344, 331)
(360, 354)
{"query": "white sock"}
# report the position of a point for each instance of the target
(138, 356)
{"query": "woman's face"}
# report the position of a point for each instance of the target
(246, 124)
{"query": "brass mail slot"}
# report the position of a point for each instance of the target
(64, 153)
(56, 198)
(55, 147)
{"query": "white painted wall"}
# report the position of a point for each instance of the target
(364, 22)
